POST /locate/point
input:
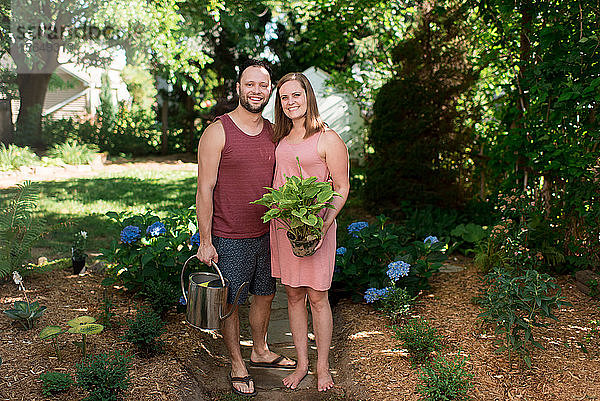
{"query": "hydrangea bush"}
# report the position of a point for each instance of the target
(361, 262)
(377, 254)
(151, 249)
(394, 300)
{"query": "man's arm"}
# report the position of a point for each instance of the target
(210, 147)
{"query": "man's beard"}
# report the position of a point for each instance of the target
(252, 108)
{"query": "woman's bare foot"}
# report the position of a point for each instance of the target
(292, 381)
(324, 380)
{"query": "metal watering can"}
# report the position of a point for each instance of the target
(206, 297)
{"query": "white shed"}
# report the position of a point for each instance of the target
(338, 109)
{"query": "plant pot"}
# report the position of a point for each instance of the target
(78, 265)
(302, 248)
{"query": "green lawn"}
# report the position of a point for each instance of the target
(80, 204)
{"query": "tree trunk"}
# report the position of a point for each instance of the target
(164, 118)
(6, 124)
(32, 91)
(189, 123)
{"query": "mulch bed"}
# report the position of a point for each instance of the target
(365, 356)
(378, 370)
(162, 377)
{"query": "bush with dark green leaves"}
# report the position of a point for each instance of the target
(162, 295)
(517, 303)
(104, 376)
(445, 379)
(55, 382)
(419, 339)
(144, 330)
(363, 259)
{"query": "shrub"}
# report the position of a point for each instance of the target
(144, 330)
(132, 132)
(445, 379)
(516, 304)
(523, 238)
(105, 376)
(419, 338)
(71, 152)
(150, 247)
(59, 131)
(162, 295)
(423, 222)
(55, 382)
(12, 157)
(426, 258)
(363, 260)
(395, 301)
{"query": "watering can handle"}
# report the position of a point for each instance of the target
(214, 265)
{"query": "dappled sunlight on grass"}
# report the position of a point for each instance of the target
(81, 204)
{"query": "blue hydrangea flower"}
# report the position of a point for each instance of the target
(356, 227)
(182, 300)
(156, 229)
(195, 239)
(431, 239)
(374, 294)
(340, 251)
(130, 234)
(398, 269)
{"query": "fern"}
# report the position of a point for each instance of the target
(19, 230)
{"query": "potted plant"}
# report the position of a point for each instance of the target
(296, 205)
(78, 251)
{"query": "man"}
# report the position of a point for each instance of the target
(236, 158)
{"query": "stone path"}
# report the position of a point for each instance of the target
(268, 381)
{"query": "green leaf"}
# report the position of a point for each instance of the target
(78, 321)
(51, 331)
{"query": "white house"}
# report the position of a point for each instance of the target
(80, 96)
(338, 109)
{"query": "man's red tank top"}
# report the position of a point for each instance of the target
(246, 167)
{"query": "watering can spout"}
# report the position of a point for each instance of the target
(235, 301)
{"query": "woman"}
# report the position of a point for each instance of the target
(301, 133)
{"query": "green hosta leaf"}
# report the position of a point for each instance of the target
(15, 314)
(91, 328)
(78, 321)
(51, 331)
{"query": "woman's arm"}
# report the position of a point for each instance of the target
(335, 153)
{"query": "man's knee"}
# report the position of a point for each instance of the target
(263, 299)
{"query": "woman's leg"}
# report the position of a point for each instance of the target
(298, 317)
(323, 327)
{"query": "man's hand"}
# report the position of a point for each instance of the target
(206, 253)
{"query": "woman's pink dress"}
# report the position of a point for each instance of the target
(314, 271)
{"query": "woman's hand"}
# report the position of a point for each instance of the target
(326, 228)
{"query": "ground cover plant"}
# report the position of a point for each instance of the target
(55, 382)
(105, 376)
(445, 379)
(419, 338)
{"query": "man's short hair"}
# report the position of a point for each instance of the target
(252, 63)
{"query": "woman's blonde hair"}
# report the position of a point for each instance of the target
(283, 124)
